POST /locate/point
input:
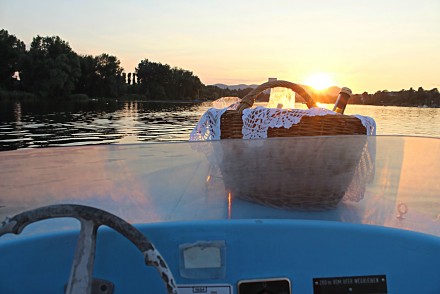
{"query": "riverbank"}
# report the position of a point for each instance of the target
(428, 99)
(11, 96)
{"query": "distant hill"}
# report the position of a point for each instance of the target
(328, 95)
(235, 87)
(330, 91)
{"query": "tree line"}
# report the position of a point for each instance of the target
(411, 97)
(51, 69)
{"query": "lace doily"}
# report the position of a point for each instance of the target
(256, 121)
(208, 128)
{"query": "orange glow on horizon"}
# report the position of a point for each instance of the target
(319, 81)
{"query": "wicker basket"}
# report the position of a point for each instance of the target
(302, 174)
(231, 123)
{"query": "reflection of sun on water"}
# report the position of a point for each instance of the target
(319, 81)
(324, 105)
(128, 123)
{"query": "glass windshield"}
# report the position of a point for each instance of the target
(383, 180)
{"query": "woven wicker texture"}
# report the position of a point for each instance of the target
(277, 176)
(232, 124)
(292, 174)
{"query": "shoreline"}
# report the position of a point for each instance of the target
(14, 96)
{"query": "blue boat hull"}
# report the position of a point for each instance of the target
(305, 253)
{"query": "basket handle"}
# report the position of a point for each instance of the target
(249, 99)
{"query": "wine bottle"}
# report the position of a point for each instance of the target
(341, 102)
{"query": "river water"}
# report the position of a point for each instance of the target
(44, 124)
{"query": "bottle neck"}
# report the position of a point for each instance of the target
(341, 103)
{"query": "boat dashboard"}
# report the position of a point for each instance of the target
(235, 256)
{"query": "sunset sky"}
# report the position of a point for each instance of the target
(365, 45)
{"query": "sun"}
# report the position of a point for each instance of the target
(319, 81)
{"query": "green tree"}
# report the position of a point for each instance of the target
(101, 76)
(86, 83)
(185, 84)
(11, 50)
(124, 77)
(108, 75)
(153, 78)
(160, 81)
(51, 68)
(422, 97)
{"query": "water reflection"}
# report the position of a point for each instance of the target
(29, 124)
(32, 124)
(394, 120)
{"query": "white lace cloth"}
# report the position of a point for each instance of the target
(208, 127)
(256, 121)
